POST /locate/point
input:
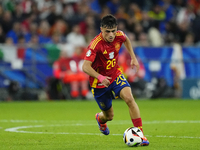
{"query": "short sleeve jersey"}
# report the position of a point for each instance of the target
(104, 57)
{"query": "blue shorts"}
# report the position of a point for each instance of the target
(104, 96)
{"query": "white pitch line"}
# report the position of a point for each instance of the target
(23, 121)
(79, 122)
(172, 121)
(74, 123)
(16, 129)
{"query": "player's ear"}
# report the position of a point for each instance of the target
(101, 29)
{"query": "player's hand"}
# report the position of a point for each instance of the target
(104, 80)
(135, 65)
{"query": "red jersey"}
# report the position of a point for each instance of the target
(104, 57)
(61, 65)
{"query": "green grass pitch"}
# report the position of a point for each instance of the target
(70, 125)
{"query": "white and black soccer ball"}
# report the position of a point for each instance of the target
(133, 136)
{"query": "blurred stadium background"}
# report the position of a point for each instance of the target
(36, 34)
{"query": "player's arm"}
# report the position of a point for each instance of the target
(87, 68)
(134, 62)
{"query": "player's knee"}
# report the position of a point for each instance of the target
(129, 100)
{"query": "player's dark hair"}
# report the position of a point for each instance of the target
(108, 21)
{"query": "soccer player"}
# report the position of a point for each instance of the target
(68, 71)
(106, 78)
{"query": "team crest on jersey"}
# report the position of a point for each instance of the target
(111, 55)
(88, 53)
(117, 47)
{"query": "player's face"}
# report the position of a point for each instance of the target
(109, 33)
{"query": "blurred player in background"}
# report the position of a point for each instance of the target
(106, 78)
(69, 71)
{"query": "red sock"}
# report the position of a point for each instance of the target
(137, 123)
(101, 122)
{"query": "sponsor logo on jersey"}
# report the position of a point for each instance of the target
(105, 52)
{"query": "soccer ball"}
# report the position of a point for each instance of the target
(133, 136)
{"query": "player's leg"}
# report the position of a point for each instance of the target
(122, 89)
(103, 98)
(74, 89)
(82, 78)
(127, 96)
(107, 115)
(74, 84)
(134, 111)
(102, 118)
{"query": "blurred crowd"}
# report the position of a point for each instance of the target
(146, 22)
(69, 26)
